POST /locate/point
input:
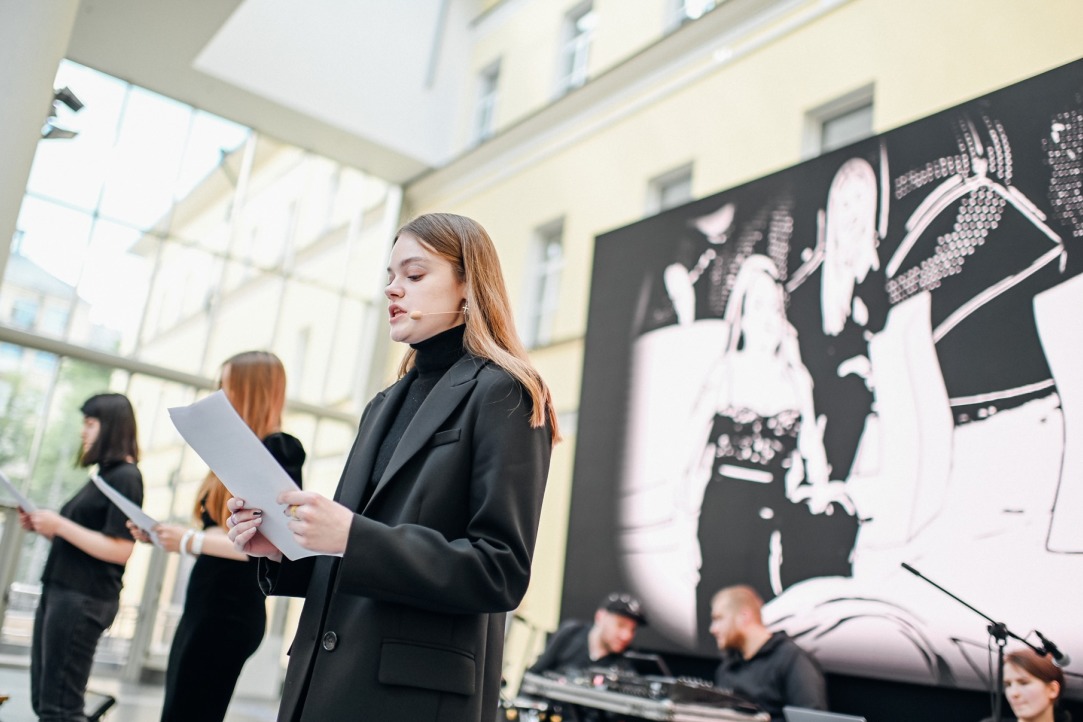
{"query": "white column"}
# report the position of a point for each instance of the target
(34, 37)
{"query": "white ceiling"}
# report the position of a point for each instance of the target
(371, 83)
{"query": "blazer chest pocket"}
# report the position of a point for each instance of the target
(444, 437)
(442, 669)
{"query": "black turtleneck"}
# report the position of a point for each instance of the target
(432, 358)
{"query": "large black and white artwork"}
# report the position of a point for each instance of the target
(872, 358)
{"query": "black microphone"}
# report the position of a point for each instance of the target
(1060, 659)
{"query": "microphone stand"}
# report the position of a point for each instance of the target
(997, 630)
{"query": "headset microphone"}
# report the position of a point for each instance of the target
(416, 315)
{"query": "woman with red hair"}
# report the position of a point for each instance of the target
(223, 600)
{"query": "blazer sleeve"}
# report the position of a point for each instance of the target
(486, 569)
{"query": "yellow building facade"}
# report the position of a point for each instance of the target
(740, 92)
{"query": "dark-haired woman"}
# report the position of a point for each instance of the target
(80, 591)
(223, 600)
(437, 510)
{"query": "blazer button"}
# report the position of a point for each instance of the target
(330, 641)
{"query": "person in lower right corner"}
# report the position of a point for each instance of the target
(1033, 686)
(764, 667)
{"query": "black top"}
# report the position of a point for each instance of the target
(70, 567)
(569, 650)
(417, 603)
(225, 584)
(779, 674)
(434, 356)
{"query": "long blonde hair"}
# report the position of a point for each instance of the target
(754, 267)
(257, 390)
(490, 325)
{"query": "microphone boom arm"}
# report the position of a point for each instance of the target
(998, 630)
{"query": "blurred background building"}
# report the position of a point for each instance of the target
(235, 170)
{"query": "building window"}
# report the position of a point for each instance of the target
(45, 361)
(838, 123)
(578, 29)
(11, 356)
(543, 287)
(846, 128)
(484, 116)
(669, 190)
(24, 313)
(683, 11)
(54, 321)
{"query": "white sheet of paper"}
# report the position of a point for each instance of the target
(131, 510)
(20, 499)
(214, 429)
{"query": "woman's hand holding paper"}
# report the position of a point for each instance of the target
(244, 531)
(317, 523)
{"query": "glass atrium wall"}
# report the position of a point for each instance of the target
(150, 247)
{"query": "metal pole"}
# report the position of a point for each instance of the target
(11, 545)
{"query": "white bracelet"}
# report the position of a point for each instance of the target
(197, 543)
(188, 534)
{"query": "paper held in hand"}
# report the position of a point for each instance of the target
(20, 499)
(131, 510)
(219, 435)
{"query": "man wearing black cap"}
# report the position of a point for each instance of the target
(577, 645)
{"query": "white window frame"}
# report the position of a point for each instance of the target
(856, 101)
(575, 47)
(686, 11)
(485, 108)
(659, 189)
(543, 285)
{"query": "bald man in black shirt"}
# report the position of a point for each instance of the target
(764, 667)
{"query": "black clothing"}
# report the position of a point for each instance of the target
(67, 626)
(433, 358)
(225, 614)
(409, 623)
(750, 532)
(568, 650)
(70, 567)
(80, 595)
(780, 673)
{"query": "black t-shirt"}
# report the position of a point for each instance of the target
(569, 650)
(70, 567)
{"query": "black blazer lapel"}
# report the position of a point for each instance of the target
(358, 469)
(442, 401)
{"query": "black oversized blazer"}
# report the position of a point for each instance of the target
(409, 624)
